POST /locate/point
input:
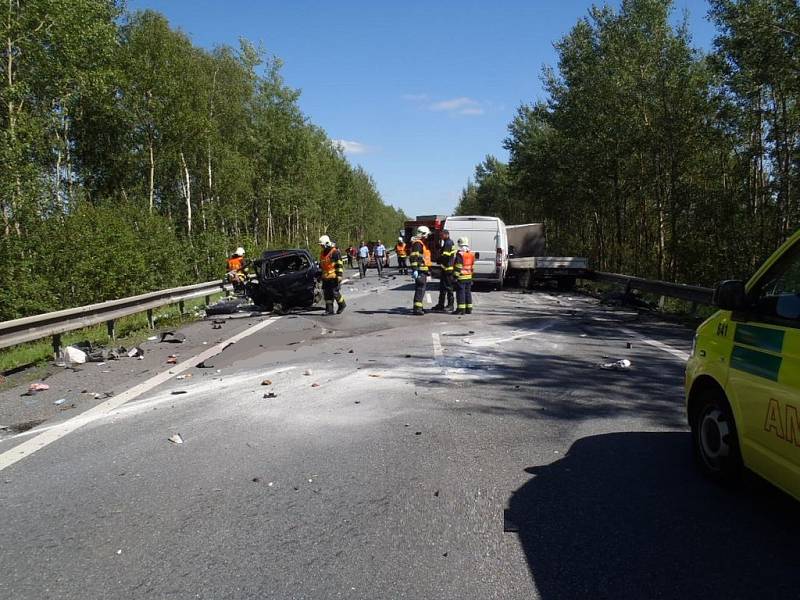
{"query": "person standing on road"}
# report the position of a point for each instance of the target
(330, 263)
(446, 258)
(380, 254)
(420, 261)
(400, 249)
(463, 268)
(363, 259)
(349, 253)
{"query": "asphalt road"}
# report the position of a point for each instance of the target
(486, 456)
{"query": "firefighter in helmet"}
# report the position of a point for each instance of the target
(330, 263)
(420, 262)
(463, 268)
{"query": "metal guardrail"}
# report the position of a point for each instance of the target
(691, 293)
(53, 324)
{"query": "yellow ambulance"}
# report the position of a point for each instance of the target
(743, 378)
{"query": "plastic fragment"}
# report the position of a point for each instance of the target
(175, 439)
(314, 385)
(307, 372)
(60, 401)
(177, 392)
(173, 337)
(172, 360)
(266, 382)
(135, 352)
(37, 387)
(270, 395)
(618, 365)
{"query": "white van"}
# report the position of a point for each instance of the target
(487, 236)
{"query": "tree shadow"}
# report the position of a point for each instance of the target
(627, 515)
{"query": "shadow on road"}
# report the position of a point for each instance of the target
(626, 515)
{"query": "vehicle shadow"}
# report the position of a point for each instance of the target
(627, 515)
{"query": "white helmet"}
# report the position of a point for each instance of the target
(400, 239)
(325, 241)
(463, 241)
(239, 251)
(423, 231)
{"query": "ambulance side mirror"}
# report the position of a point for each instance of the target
(731, 295)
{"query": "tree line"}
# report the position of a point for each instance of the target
(651, 157)
(133, 160)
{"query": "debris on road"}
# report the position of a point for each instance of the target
(177, 392)
(375, 375)
(184, 376)
(266, 382)
(37, 387)
(135, 352)
(175, 439)
(350, 351)
(74, 355)
(307, 372)
(270, 395)
(172, 359)
(203, 365)
(314, 385)
(152, 338)
(173, 337)
(618, 365)
(60, 401)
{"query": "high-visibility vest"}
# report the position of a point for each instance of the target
(466, 266)
(426, 256)
(235, 263)
(400, 249)
(327, 262)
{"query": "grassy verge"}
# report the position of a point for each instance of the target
(130, 331)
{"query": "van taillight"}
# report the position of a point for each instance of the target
(498, 261)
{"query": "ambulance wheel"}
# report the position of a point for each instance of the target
(716, 444)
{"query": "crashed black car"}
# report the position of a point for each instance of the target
(285, 279)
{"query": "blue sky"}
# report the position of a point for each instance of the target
(420, 91)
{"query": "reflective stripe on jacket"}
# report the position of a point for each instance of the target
(448, 254)
(420, 258)
(330, 261)
(464, 264)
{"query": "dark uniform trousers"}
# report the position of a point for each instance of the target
(446, 288)
(331, 292)
(464, 294)
(420, 283)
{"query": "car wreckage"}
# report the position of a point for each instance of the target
(284, 279)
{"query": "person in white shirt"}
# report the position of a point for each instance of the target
(363, 259)
(380, 255)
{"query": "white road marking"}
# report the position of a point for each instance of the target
(49, 436)
(438, 353)
(428, 298)
(684, 356)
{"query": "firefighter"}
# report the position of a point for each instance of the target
(330, 263)
(400, 249)
(463, 268)
(420, 261)
(236, 274)
(446, 259)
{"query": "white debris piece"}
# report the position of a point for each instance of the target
(74, 355)
(617, 365)
(60, 401)
(176, 439)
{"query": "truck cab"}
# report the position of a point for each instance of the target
(743, 377)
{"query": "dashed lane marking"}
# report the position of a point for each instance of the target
(438, 353)
(53, 434)
(428, 298)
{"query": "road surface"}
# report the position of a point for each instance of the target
(486, 456)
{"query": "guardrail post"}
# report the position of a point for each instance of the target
(151, 322)
(181, 307)
(208, 300)
(112, 329)
(56, 345)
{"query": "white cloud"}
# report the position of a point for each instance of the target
(462, 105)
(352, 147)
(415, 97)
(471, 111)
